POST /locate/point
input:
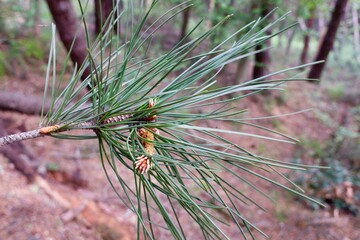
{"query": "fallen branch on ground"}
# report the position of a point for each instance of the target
(85, 210)
(21, 157)
(19, 102)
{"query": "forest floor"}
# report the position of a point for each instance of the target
(55, 206)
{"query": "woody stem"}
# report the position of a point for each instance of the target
(90, 125)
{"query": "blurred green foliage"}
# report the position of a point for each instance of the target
(336, 92)
(19, 53)
(32, 48)
(19, 45)
(2, 64)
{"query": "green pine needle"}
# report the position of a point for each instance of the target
(190, 178)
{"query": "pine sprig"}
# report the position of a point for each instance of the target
(191, 165)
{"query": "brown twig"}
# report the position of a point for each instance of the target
(20, 136)
(48, 130)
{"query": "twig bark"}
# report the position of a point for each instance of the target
(48, 130)
(17, 137)
(90, 125)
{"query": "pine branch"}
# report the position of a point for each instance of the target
(20, 137)
(170, 172)
(48, 130)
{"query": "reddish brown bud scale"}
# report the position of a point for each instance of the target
(143, 163)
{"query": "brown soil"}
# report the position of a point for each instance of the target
(31, 211)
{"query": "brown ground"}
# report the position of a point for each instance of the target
(41, 209)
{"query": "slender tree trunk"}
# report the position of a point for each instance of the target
(103, 9)
(185, 22)
(70, 31)
(309, 27)
(328, 41)
(291, 33)
(305, 50)
(241, 67)
(290, 37)
(262, 59)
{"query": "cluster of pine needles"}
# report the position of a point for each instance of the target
(190, 166)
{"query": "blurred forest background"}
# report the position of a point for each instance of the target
(72, 199)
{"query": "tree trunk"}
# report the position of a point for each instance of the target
(185, 22)
(290, 38)
(103, 9)
(309, 27)
(328, 41)
(262, 59)
(69, 29)
(241, 70)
